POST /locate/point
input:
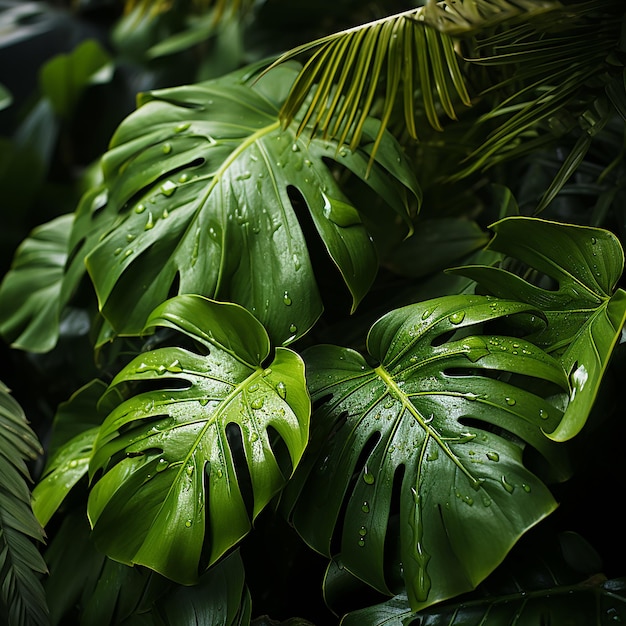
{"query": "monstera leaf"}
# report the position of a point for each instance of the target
(570, 273)
(417, 462)
(208, 437)
(545, 582)
(206, 191)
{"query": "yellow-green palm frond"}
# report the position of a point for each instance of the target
(409, 59)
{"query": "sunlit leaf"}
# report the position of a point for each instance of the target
(193, 457)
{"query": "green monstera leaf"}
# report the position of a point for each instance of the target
(418, 472)
(208, 436)
(570, 273)
(209, 194)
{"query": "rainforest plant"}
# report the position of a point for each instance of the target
(331, 330)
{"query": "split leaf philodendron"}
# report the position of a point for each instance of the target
(420, 454)
(192, 457)
(293, 295)
(187, 175)
(570, 273)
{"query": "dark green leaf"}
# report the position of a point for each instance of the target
(30, 291)
(543, 585)
(64, 77)
(201, 184)
(191, 462)
(570, 273)
(424, 451)
(219, 599)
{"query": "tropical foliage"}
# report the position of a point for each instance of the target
(312, 314)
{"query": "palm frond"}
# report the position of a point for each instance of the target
(549, 84)
(22, 598)
(464, 17)
(409, 58)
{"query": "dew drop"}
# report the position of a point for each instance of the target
(188, 523)
(362, 531)
(73, 463)
(130, 237)
(293, 328)
(365, 507)
(166, 148)
(368, 478)
(510, 401)
(257, 403)
(128, 253)
(203, 401)
(168, 188)
(140, 208)
(181, 127)
(493, 456)
(593, 241)
(117, 251)
(361, 542)
(425, 314)
(295, 148)
(507, 485)
(183, 178)
(161, 465)
(281, 390)
(543, 414)
(165, 214)
(287, 299)
(254, 437)
(457, 318)
(526, 488)
(150, 223)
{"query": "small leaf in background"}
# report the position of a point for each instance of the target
(6, 98)
(418, 460)
(570, 273)
(64, 77)
(22, 599)
(74, 433)
(30, 291)
(435, 244)
(219, 599)
(202, 441)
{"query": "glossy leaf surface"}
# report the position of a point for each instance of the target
(570, 273)
(201, 183)
(424, 451)
(190, 460)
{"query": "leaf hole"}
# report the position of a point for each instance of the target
(335, 294)
(234, 436)
(321, 401)
(280, 451)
